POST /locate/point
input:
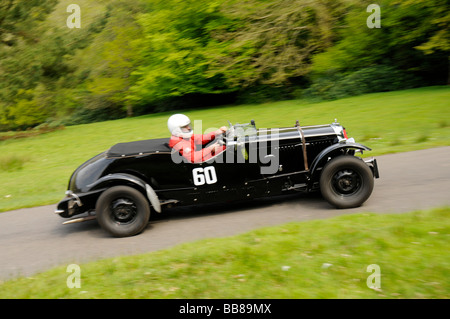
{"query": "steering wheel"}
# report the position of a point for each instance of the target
(223, 138)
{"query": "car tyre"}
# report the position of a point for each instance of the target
(346, 182)
(122, 211)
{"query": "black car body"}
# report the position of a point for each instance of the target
(123, 184)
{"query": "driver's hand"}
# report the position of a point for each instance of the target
(216, 148)
(222, 130)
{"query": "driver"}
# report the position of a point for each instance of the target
(190, 145)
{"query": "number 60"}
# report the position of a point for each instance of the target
(204, 175)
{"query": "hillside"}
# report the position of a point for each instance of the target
(35, 170)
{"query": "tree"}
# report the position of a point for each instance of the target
(413, 38)
(19, 70)
(17, 18)
(174, 59)
(111, 79)
(275, 40)
(213, 47)
(34, 58)
(439, 41)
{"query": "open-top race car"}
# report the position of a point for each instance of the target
(121, 186)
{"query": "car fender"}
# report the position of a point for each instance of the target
(322, 157)
(128, 179)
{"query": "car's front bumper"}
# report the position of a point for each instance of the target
(75, 204)
(373, 166)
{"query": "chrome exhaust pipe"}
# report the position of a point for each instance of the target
(79, 220)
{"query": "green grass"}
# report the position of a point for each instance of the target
(387, 122)
(315, 259)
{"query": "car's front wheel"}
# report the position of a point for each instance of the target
(122, 211)
(346, 182)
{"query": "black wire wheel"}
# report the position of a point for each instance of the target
(122, 211)
(346, 182)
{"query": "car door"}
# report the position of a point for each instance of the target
(228, 176)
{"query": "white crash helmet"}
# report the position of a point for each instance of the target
(176, 122)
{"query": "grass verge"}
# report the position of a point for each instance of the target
(386, 122)
(315, 259)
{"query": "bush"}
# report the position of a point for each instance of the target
(96, 109)
(263, 94)
(12, 163)
(379, 78)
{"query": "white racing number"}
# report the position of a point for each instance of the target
(204, 175)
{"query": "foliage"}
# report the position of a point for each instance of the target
(367, 80)
(173, 59)
(274, 40)
(408, 28)
(35, 72)
(132, 57)
(18, 17)
(228, 46)
(110, 77)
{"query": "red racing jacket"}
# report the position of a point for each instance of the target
(192, 148)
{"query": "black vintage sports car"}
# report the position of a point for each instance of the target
(121, 186)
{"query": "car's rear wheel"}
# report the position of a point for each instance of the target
(346, 182)
(122, 211)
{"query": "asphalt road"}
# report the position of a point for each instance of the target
(34, 240)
